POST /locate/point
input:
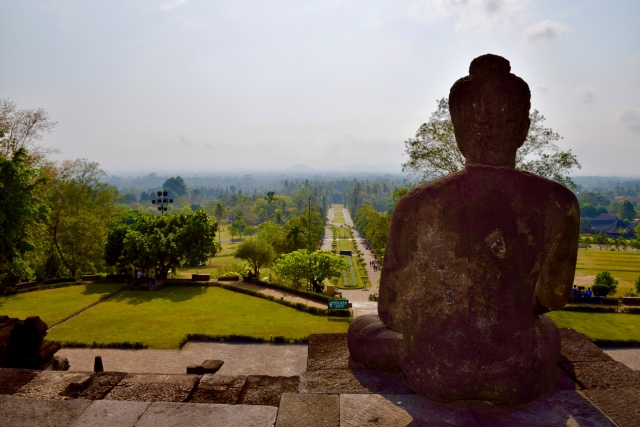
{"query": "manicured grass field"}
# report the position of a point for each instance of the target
(624, 265)
(338, 216)
(53, 305)
(600, 326)
(160, 319)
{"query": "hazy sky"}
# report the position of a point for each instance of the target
(204, 86)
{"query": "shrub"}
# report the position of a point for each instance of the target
(601, 290)
(229, 276)
(605, 278)
(61, 280)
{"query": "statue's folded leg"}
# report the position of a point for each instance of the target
(374, 344)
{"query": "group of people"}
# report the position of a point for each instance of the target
(375, 264)
(581, 294)
(151, 281)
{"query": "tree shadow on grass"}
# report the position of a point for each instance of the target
(173, 294)
(93, 289)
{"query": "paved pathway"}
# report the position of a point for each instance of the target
(277, 293)
(239, 358)
(630, 356)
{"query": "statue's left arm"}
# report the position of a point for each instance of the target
(553, 288)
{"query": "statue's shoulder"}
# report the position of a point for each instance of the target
(556, 191)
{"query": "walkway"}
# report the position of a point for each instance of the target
(277, 293)
(239, 358)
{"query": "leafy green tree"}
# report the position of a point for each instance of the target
(626, 211)
(176, 185)
(585, 225)
(115, 245)
(165, 242)
(434, 152)
(83, 209)
(21, 206)
(587, 210)
(239, 225)
(256, 252)
(605, 278)
(637, 285)
(374, 226)
(298, 267)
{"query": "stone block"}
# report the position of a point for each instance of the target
(574, 347)
(154, 388)
(360, 410)
(266, 390)
(554, 409)
(56, 385)
(26, 412)
(309, 410)
(353, 381)
(12, 379)
(221, 389)
(211, 366)
(328, 351)
(100, 384)
(195, 370)
(202, 414)
(110, 413)
(602, 375)
(622, 406)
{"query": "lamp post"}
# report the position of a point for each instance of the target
(162, 202)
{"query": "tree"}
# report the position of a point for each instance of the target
(21, 128)
(298, 267)
(587, 210)
(83, 210)
(176, 185)
(256, 252)
(585, 225)
(165, 242)
(219, 211)
(20, 204)
(434, 152)
(637, 285)
(239, 225)
(626, 211)
(115, 245)
(605, 278)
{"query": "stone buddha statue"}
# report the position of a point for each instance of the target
(474, 260)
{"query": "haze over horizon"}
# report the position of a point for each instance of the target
(173, 86)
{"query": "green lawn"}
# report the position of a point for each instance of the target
(162, 318)
(624, 265)
(53, 305)
(600, 326)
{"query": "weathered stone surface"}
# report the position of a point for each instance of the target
(474, 259)
(562, 381)
(202, 414)
(110, 413)
(622, 406)
(328, 351)
(353, 381)
(100, 384)
(55, 385)
(576, 348)
(211, 366)
(309, 410)
(555, 409)
(12, 379)
(25, 412)
(602, 375)
(154, 388)
(359, 410)
(266, 390)
(222, 389)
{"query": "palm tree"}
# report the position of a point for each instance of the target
(219, 210)
(294, 233)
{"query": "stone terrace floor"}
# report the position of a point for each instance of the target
(590, 389)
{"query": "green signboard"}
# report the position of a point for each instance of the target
(338, 304)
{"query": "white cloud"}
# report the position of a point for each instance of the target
(585, 94)
(546, 31)
(630, 117)
(172, 4)
(543, 88)
(483, 15)
(635, 61)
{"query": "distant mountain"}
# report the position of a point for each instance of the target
(301, 168)
(381, 168)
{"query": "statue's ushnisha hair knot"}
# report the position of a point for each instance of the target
(489, 63)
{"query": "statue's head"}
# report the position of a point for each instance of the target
(490, 112)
